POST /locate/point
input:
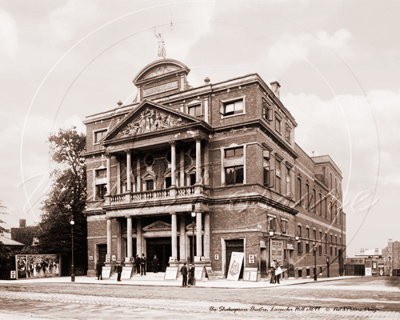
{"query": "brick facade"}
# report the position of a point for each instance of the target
(248, 188)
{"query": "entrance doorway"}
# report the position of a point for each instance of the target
(160, 247)
(233, 246)
(102, 252)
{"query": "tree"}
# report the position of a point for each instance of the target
(6, 254)
(67, 198)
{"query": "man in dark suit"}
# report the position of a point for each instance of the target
(143, 265)
(184, 273)
(119, 271)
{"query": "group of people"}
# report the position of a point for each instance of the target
(139, 267)
(185, 272)
(276, 272)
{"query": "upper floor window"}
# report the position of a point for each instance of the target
(101, 174)
(314, 201)
(234, 152)
(267, 111)
(278, 176)
(232, 107)
(234, 175)
(315, 234)
(271, 223)
(195, 111)
(98, 135)
(320, 204)
(288, 182)
(299, 188)
(308, 233)
(268, 174)
(283, 225)
(299, 231)
(278, 124)
(308, 197)
(288, 132)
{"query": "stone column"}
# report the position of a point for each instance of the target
(173, 164)
(108, 174)
(182, 168)
(206, 165)
(198, 160)
(207, 235)
(223, 256)
(182, 238)
(109, 236)
(139, 236)
(129, 236)
(128, 170)
(138, 180)
(118, 177)
(119, 240)
(174, 242)
(199, 242)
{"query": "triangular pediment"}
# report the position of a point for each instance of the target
(149, 117)
(190, 227)
(158, 226)
(149, 175)
(191, 170)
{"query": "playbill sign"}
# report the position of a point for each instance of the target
(276, 251)
(235, 266)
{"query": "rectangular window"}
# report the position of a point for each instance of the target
(266, 172)
(314, 201)
(278, 176)
(330, 211)
(307, 248)
(98, 135)
(299, 248)
(272, 223)
(232, 108)
(308, 197)
(288, 183)
(149, 185)
(267, 111)
(308, 233)
(234, 175)
(168, 182)
(299, 231)
(234, 152)
(326, 243)
(315, 235)
(288, 133)
(195, 111)
(320, 204)
(308, 272)
(299, 188)
(101, 174)
(283, 225)
(320, 249)
(278, 123)
(101, 191)
(330, 251)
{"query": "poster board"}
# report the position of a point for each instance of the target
(171, 273)
(32, 266)
(368, 271)
(276, 251)
(126, 273)
(210, 273)
(106, 272)
(250, 274)
(199, 273)
(235, 266)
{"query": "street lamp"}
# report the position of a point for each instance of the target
(315, 260)
(193, 215)
(72, 222)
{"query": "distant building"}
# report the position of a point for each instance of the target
(10, 243)
(187, 172)
(391, 256)
(25, 234)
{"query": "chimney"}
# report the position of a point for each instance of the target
(275, 88)
(22, 223)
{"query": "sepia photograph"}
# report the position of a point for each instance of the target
(209, 159)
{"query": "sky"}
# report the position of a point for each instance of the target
(335, 60)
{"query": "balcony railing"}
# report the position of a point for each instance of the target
(172, 193)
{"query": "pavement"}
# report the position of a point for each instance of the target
(157, 279)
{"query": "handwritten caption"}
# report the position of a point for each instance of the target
(292, 309)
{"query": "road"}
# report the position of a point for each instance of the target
(361, 298)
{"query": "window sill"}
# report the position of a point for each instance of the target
(232, 115)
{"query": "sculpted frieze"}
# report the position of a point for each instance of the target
(150, 120)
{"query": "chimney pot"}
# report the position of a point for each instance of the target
(22, 223)
(275, 88)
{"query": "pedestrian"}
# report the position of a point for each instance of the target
(273, 271)
(155, 264)
(184, 273)
(119, 271)
(137, 263)
(143, 265)
(278, 272)
(98, 270)
(191, 275)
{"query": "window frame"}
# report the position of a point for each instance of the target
(105, 130)
(278, 124)
(235, 177)
(267, 111)
(196, 107)
(288, 133)
(225, 103)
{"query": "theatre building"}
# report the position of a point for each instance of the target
(188, 172)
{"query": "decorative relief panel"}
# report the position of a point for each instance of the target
(150, 120)
(160, 70)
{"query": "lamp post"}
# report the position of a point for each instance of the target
(315, 260)
(72, 222)
(193, 215)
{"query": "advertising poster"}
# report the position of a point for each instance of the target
(235, 266)
(31, 266)
(276, 251)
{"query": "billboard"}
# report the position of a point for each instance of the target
(235, 266)
(31, 266)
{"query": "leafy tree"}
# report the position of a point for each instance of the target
(67, 198)
(2, 208)
(6, 255)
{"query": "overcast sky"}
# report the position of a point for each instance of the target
(64, 60)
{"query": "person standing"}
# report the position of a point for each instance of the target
(155, 264)
(191, 275)
(98, 270)
(143, 265)
(119, 271)
(278, 272)
(273, 266)
(137, 264)
(184, 273)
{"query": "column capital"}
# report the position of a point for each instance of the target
(109, 218)
(172, 142)
(172, 213)
(127, 150)
(127, 217)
